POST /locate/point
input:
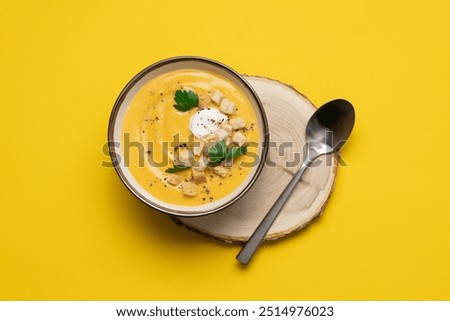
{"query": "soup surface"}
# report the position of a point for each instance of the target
(189, 137)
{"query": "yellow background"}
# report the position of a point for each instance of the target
(70, 230)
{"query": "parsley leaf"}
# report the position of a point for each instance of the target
(217, 152)
(185, 100)
(177, 168)
(235, 151)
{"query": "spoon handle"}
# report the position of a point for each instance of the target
(258, 235)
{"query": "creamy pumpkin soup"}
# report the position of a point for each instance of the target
(191, 136)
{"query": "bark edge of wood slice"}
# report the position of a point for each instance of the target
(288, 112)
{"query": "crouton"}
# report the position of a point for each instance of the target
(184, 158)
(237, 123)
(227, 127)
(204, 101)
(173, 179)
(220, 170)
(239, 138)
(221, 134)
(189, 189)
(198, 177)
(227, 107)
(217, 97)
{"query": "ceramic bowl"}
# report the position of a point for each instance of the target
(123, 102)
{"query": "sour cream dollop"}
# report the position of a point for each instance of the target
(206, 121)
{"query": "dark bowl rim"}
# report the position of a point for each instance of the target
(123, 94)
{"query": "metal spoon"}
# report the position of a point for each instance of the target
(333, 122)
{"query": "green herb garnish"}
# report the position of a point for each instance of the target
(234, 152)
(219, 153)
(177, 168)
(185, 100)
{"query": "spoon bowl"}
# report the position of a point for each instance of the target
(331, 124)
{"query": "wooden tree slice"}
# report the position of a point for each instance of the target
(288, 112)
